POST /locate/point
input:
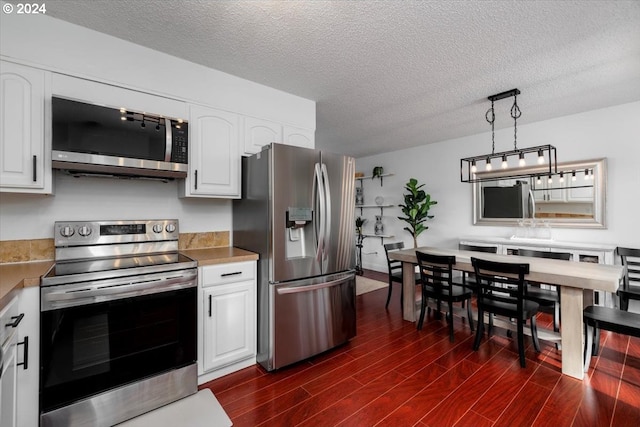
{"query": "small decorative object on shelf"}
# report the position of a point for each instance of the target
(379, 226)
(377, 173)
(379, 200)
(359, 175)
(359, 238)
(359, 196)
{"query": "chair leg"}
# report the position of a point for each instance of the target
(389, 294)
(490, 329)
(479, 330)
(596, 340)
(588, 332)
(401, 296)
(556, 317)
(534, 334)
(450, 321)
(469, 315)
(520, 324)
(422, 309)
(624, 303)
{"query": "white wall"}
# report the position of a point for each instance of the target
(612, 132)
(25, 216)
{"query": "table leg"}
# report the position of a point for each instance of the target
(409, 292)
(572, 331)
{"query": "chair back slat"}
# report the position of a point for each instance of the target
(475, 248)
(393, 265)
(630, 258)
(436, 270)
(566, 256)
(499, 281)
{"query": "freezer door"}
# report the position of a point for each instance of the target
(296, 199)
(339, 240)
(310, 317)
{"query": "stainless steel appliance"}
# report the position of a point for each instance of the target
(114, 141)
(118, 322)
(513, 201)
(297, 212)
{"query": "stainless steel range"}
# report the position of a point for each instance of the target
(118, 322)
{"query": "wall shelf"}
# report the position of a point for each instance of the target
(361, 178)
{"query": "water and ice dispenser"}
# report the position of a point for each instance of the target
(299, 233)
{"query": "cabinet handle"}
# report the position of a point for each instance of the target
(209, 305)
(35, 171)
(196, 179)
(15, 321)
(231, 274)
(25, 356)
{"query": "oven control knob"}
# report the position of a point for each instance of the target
(171, 227)
(157, 228)
(84, 231)
(66, 231)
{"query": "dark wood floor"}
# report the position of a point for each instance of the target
(390, 374)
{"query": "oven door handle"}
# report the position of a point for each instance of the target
(92, 293)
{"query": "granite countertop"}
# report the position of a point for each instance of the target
(211, 256)
(19, 275)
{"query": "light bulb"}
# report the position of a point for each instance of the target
(550, 180)
(540, 157)
(123, 118)
(474, 168)
(586, 174)
(504, 161)
(538, 180)
(522, 162)
(573, 176)
(561, 177)
(488, 167)
(591, 177)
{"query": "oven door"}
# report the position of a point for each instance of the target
(92, 348)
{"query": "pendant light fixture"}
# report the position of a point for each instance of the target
(546, 154)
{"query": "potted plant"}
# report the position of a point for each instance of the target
(416, 209)
(377, 173)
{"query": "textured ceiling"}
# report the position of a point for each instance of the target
(395, 74)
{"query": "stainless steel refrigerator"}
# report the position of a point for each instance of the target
(297, 213)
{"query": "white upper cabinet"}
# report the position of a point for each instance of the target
(214, 155)
(299, 137)
(259, 132)
(25, 129)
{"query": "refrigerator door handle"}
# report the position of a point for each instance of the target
(327, 213)
(320, 212)
(307, 288)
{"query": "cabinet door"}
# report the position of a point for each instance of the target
(8, 385)
(259, 132)
(229, 324)
(298, 137)
(214, 156)
(25, 163)
(28, 375)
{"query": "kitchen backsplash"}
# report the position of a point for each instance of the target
(44, 249)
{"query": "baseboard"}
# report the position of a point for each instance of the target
(209, 376)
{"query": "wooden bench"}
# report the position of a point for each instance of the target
(610, 319)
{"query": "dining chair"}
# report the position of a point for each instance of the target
(608, 318)
(395, 271)
(468, 279)
(501, 289)
(436, 272)
(630, 259)
(549, 296)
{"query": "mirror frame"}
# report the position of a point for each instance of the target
(599, 167)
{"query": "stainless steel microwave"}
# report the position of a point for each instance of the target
(89, 138)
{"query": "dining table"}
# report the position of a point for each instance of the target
(577, 281)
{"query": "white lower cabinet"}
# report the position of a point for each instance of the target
(8, 368)
(227, 319)
(29, 357)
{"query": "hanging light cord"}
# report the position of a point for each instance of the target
(490, 116)
(515, 113)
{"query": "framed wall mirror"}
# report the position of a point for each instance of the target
(574, 197)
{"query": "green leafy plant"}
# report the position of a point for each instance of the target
(416, 209)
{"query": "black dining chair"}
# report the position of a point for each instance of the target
(501, 290)
(630, 259)
(548, 297)
(436, 272)
(468, 279)
(395, 271)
